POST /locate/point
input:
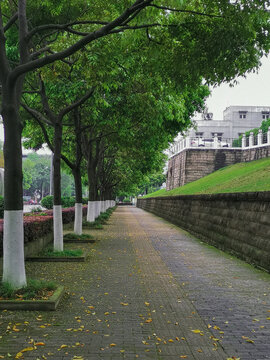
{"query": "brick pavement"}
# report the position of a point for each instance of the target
(145, 286)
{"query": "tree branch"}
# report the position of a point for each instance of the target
(4, 65)
(45, 103)
(39, 52)
(103, 31)
(11, 21)
(37, 115)
(184, 11)
(62, 26)
(76, 104)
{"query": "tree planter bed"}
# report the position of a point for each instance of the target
(74, 238)
(34, 305)
(57, 258)
(79, 241)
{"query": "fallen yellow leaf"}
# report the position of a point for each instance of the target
(124, 304)
(171, 340)
(112, 345)
(148, 321)
(40, 343)
(62, 347)
(197, 331)
(27, 349)
(146, 303)
(19, 355)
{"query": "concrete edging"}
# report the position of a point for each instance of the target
(34, 305)
(57, 259)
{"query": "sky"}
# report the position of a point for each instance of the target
(252, 90)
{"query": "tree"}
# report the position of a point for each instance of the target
(36, 175)
(38, 46)
(53, 116)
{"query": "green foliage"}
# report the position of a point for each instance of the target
(35, 289)
(47, 202)
(243, 177)
(72, 236)
(65, 253)
(36, 174)
(36, 210)
(92, 225)
(66, 201)
(264, 127)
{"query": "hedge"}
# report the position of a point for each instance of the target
(37, 226)
(66, 201)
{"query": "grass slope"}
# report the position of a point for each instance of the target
(242, 177)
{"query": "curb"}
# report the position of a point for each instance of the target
(34, 305)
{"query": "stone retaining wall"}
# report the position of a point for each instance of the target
(194, 163)
(238, 223)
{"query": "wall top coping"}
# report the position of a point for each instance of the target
(240, 196)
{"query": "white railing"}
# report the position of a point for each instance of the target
(251, 141)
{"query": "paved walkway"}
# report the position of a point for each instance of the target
(147, 291)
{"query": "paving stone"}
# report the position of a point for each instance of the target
(142, 290)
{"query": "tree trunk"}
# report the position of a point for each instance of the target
(13, 241)
(91, 211)
(57, 207)
(78, 202)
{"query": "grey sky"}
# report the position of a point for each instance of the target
(252, 90)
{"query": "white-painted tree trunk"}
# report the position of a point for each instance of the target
(91, 211)
(13, 248)
(99, 207)
(78, 219)
(58, 228)
(102, 206)
(96, 209)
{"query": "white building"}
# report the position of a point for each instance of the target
(236, 121)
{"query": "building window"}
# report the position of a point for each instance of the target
(242, 114)
(199, 134)
(265, 115)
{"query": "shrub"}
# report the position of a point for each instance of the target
(72, 236)
(41, 224)
(47, 202)
(36, 209)
(66, 202)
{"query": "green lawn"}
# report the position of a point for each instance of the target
(242, 177)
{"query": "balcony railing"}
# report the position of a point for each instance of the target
(217, 142)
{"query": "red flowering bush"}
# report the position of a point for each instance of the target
(36, 226)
